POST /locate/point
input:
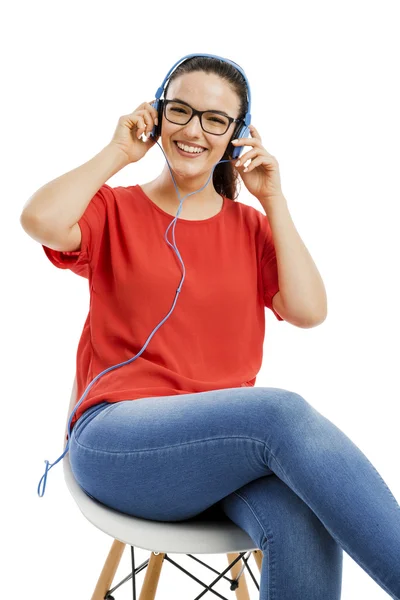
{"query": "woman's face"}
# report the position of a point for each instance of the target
(202, 91)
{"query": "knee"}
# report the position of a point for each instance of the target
(286, 405)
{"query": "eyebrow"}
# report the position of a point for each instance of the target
(221, 112)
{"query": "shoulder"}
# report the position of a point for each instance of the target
(254, 217)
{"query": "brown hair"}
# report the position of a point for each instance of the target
(225, 176)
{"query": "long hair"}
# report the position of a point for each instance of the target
(225, 177)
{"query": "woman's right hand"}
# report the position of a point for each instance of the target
(131, 127)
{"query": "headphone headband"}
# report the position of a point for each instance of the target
(247, 118)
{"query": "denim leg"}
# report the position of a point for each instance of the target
(300, 558)
(170, 458)
(340, 485)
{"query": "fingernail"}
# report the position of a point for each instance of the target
(237, 163)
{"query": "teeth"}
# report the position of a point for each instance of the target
(190, 148)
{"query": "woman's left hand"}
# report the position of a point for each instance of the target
(261, 177)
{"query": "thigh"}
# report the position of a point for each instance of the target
(300, 558)
(170, 458)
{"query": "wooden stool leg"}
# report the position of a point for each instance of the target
(258, 556)
(110, 567)
(150, 583)
(242, 592)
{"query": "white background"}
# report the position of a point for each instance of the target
(324, 81)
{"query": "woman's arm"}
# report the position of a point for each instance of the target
(302, 298)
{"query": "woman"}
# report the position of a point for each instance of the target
(182, 430)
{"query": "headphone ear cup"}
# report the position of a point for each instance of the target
(230, 148)
(156, 131)
(242, 132)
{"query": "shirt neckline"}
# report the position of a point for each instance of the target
(150, 201)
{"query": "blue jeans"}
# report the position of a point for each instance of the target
(280, 470)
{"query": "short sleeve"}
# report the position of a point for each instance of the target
(269, 268)
(92, 224)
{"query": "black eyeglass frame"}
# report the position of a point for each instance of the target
(200, 114)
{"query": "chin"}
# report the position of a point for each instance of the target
(185, 168)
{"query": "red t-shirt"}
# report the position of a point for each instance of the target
(213, 338)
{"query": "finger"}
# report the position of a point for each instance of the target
(153, 112)
(246, 142)
(260, 160)
(148, 120)
(254, 132)
(140, 125)
(151, 122)
(243, 159)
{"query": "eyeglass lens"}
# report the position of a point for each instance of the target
(212, 122)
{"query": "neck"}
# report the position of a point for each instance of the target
(165, 187)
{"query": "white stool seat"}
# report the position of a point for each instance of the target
(198, 535)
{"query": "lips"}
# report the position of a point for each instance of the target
(189, 154)
(190, 144)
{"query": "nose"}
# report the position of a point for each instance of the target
(193, 128)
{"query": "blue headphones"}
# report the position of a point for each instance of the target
(241, 131)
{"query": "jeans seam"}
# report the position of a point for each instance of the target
(211, 439)
(270, 541)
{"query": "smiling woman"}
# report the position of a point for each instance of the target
(175, 423)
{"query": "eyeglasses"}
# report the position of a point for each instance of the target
(211, 121)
